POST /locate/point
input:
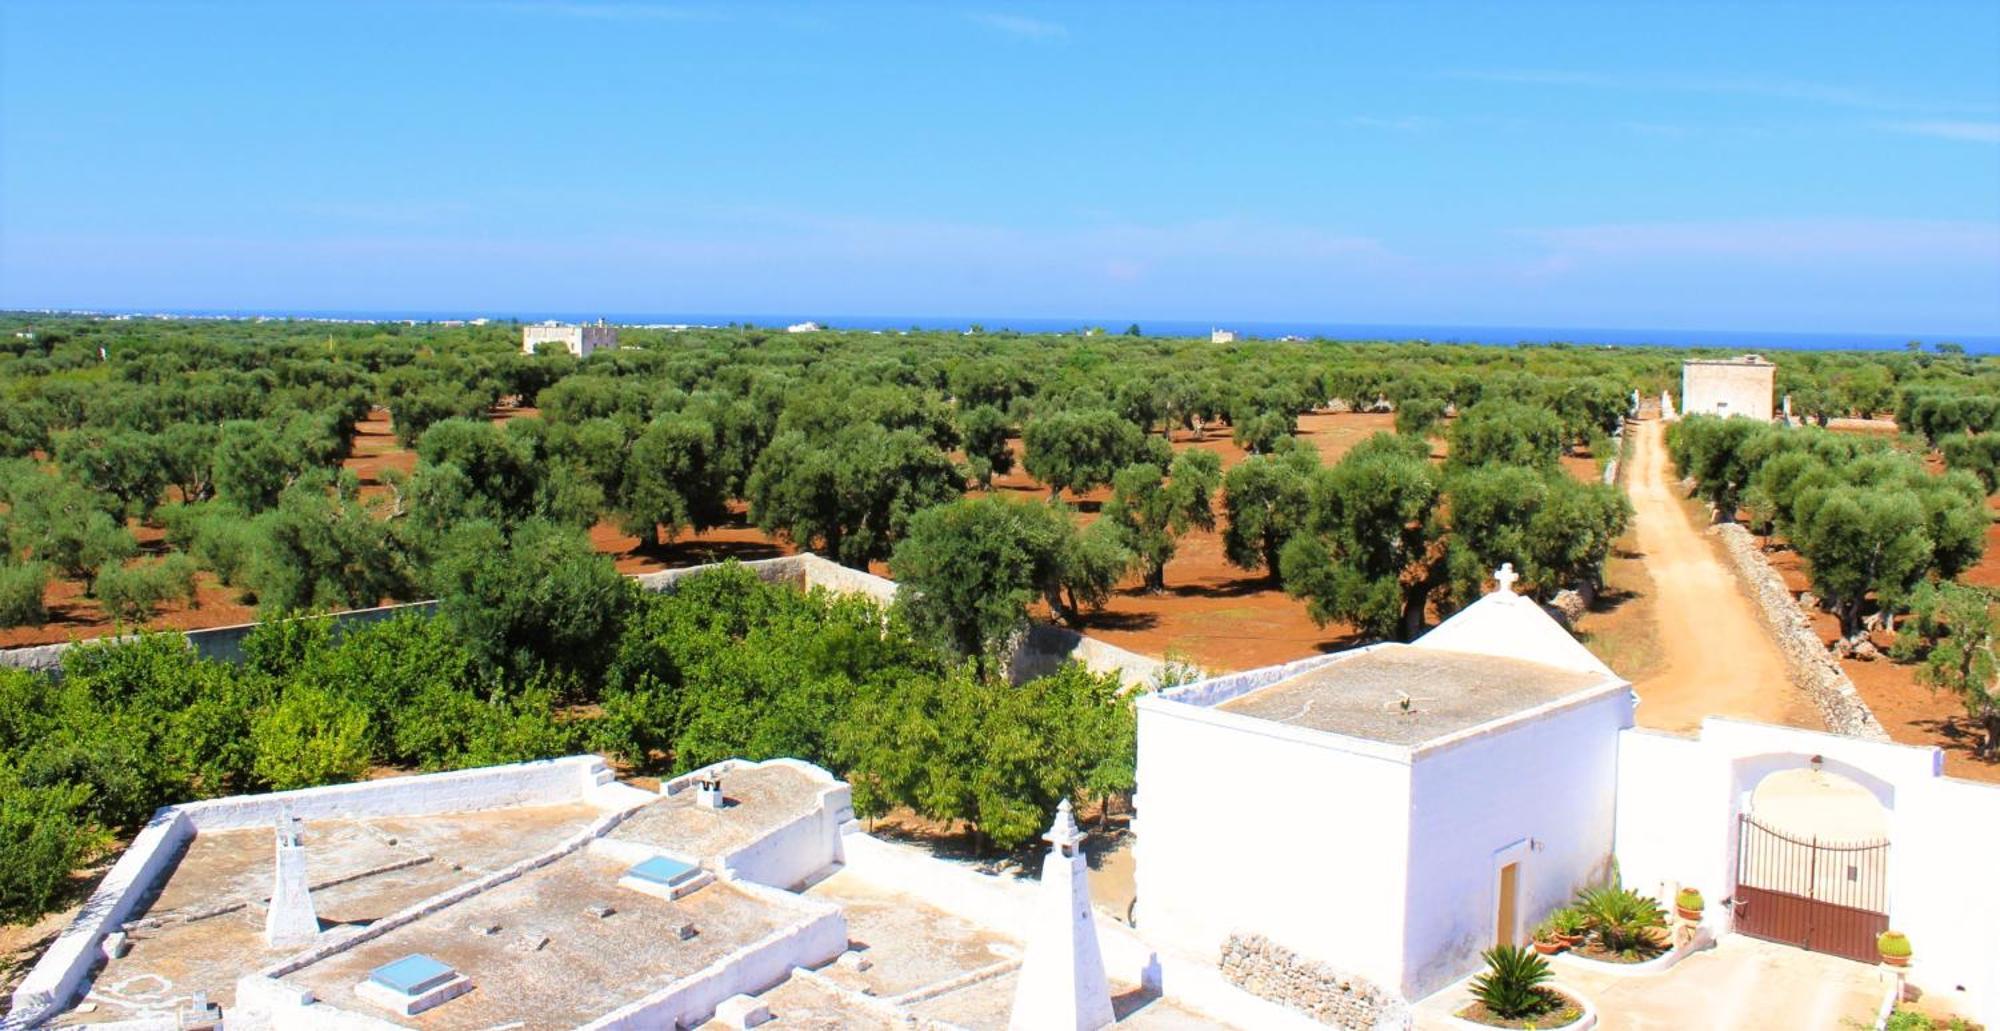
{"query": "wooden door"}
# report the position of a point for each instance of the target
(1506, 930)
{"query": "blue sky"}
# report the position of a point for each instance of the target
(1828, 166)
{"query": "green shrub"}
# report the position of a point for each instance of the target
(43, 838)
(1892, 943)
(134, 594)
(21, 590)
(311, 737)
(1511, 987)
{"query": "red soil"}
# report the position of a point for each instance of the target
(1912, 713)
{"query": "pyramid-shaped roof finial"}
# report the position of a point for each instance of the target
(1063, 833)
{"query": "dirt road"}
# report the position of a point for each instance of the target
(1717, 657)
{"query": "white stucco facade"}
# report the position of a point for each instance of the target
(1378, 858)
(1737, 386)
(581, 341)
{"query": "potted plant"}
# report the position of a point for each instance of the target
(1687, 905)
(1547, 941)
(1572, 925)
(1894, 947)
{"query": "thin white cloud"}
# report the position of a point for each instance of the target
(1969, 132)
(1020, 25)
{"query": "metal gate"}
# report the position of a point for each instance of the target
(1819, 894)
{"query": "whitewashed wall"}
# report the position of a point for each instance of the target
(802, 849)
(1549, 781)
(1253, 826)
(1678, 801)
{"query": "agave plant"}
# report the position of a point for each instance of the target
(1511, 987)
(1623, 920)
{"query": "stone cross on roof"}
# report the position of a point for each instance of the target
(1063, 834)
(1505, 577)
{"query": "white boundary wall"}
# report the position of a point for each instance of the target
(1005, 904)
(62, 969)
(1678, 801)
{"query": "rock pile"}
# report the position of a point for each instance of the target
(1813, 669)
(1271, 971)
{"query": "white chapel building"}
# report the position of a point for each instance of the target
(1412, 803)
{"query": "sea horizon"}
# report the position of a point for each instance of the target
(1437, 333)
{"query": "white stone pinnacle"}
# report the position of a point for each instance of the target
(1062, 986)
(1505, 577)
(1063, 833)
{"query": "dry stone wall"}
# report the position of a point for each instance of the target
(1815, 672)
(1268, 970)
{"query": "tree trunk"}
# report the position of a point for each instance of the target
(1415, 598)
(1271, 552)
(1991, 723)
(1066, 611)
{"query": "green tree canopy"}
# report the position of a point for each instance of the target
(1080, 450)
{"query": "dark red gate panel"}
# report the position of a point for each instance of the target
(1826, 896)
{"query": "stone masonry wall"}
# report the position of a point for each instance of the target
(1815, 672)
(1268, 970)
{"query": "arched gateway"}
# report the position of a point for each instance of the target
(1812, 860)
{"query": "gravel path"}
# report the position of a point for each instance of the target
(1718, 659)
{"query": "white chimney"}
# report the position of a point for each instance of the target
(708, 792)
(291, 919)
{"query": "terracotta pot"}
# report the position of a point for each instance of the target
(1692, 916)
(1570, 941)
(1896, 961)
(1548, 948)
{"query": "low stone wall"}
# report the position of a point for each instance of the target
(1042, 650)
(1269, 970)
(1814, 671)
(221, 643)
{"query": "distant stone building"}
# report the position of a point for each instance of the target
(803, 327)
(1221, 336)
(1729, 386)
(581, 341)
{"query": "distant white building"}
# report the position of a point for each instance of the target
(803, 327)
(1729, 386)
(581, 341)
(1221, 336)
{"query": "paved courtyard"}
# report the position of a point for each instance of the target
(1740, 984)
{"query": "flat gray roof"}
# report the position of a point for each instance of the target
(759, 801)
(1361, 695)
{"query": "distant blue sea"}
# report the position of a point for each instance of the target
(1744, 340)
